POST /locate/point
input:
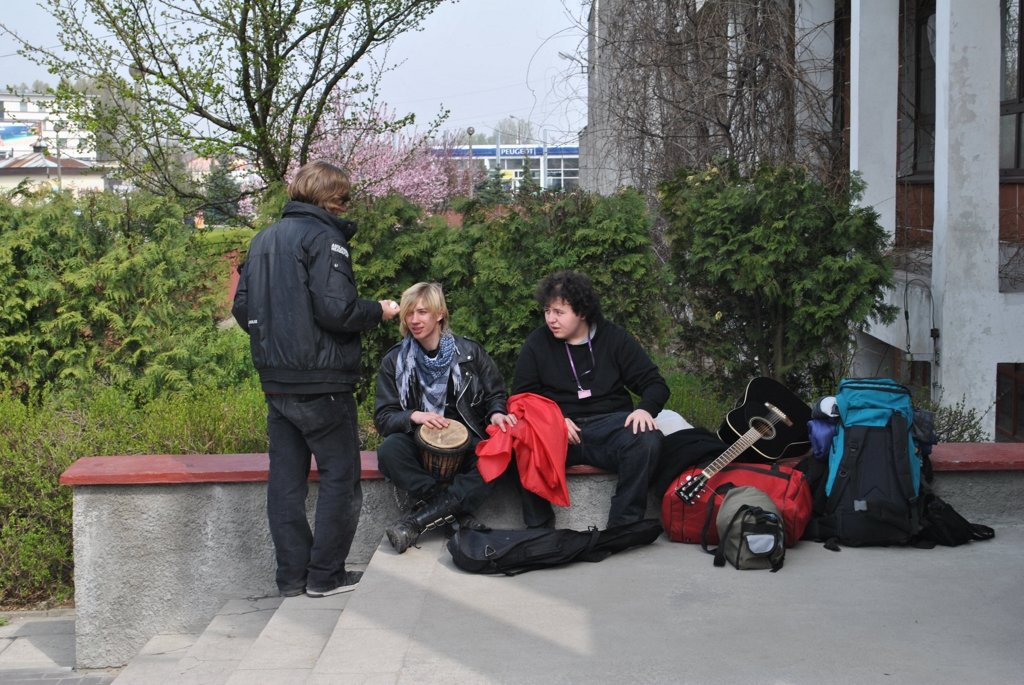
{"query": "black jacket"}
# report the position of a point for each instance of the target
(481, 395)
(297, 300)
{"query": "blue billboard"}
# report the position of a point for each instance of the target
(11, 131)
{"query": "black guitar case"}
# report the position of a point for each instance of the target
(511, 552)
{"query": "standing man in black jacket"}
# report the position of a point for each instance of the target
(297, 300)
(431, 378)
(589, 367)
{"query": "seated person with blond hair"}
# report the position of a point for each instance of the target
(431, 379)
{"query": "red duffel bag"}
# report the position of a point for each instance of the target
(684, 522)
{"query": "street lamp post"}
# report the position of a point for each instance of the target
(57, 128)
(469, 132)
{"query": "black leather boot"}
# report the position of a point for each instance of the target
(403, 533)
(469, 522)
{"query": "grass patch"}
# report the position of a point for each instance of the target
(694, 397)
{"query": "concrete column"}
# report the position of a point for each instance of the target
(815, 50)
(874, 71)
(974, 326)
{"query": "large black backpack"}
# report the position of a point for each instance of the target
(517, 551)
(870, 491)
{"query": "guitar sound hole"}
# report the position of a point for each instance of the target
(763, 426)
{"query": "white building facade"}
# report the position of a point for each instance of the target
(929, 108)
(27, 121)
(949, 167)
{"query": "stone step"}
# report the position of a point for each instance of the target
(158, 659)
(209, 658)
(288, 648)
(373, 637)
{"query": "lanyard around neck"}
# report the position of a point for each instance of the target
(593, 364)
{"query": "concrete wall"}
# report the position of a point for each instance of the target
(155, 559)
(988, 497)
(603, 166)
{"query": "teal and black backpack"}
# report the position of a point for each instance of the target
(871, 492)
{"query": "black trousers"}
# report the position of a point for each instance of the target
(300, 426)
(606, 443)
(398, 458)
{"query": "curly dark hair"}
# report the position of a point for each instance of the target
(573, 287)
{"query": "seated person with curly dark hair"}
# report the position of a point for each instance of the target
(589, 366)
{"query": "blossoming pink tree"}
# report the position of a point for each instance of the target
(383, 158)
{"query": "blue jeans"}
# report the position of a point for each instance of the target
(300, 426)
(606, 443)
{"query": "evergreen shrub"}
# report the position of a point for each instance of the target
(39, 442)
(776, 271)
(114, 337)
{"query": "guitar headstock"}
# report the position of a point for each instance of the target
(690, 491)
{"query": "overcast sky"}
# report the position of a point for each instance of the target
(484, 60)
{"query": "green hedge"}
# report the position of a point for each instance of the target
(112, 338)
(38, 443)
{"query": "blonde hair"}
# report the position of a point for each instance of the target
(321, 184)
(432, 296)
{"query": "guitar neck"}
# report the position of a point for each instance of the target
(735, 450)
(746, 440)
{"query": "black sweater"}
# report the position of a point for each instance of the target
(619, 366)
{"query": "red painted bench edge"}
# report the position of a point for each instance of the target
(978, 456)
(166, 469)
(156, 469)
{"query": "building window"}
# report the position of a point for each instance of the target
(1010, 402)
(924, 120)
(1011, 96)
(920, 48)
(917, 102)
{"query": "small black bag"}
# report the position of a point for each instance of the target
(942, 525)
(517, 551)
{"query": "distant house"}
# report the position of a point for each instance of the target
(39, 168)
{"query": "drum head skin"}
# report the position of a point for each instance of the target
(455, 436)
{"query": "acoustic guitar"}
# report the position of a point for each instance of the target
(775, 426)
